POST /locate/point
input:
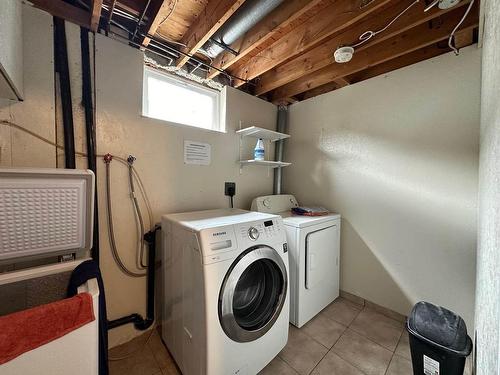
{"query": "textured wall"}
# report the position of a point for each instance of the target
(488, 257)
(397, 157)
(121, 130)
(158, 146)
(36, 112)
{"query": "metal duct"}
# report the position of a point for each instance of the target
(246, 17)
(281, 127)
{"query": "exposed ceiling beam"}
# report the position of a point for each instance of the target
(402, 61)
(331, 20)
(389, 66)
(464, 38)
(342, 82)
(409, 41)
(160, 10)
(215, 14)
(322, 55)
(61, 9)
(95, 14)
(323, 89)
(280, 21)
(112, 5)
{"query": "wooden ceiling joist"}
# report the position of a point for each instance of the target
(282, 20)
(215, 14)
(400, 62)
(160, 10)
(389, 66)
(404, 43)
(322, 55)
(95, 14)
(331, 20)
(61, 9)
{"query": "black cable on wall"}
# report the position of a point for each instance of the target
(62, 75)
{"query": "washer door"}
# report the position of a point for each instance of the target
(252, 294)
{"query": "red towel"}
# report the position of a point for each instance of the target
(28, 329)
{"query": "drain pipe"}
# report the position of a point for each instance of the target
(282, 125)
(139, 322)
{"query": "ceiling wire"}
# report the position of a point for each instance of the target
(451, 39)
(367, 35)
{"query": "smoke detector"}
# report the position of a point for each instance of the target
(442, 4)
(343, 55)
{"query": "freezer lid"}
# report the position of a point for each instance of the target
(44, 211)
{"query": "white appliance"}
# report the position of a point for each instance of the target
(314, 244)
(45, 212)
(225, 284)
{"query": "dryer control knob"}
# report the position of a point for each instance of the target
(253, 233)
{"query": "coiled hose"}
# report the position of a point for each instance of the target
(112, 240)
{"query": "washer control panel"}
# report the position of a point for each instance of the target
(253, 233)
(262, 230)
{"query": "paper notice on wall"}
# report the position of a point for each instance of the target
(197, 153)
(431, 366)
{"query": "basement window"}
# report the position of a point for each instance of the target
(175, 100)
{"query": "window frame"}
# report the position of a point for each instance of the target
(183, 83)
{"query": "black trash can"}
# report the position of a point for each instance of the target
(439, 342)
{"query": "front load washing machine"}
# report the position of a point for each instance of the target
(314, 243)
(225, 309)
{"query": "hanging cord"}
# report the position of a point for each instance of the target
(451, 39)
(367, 35)
(114, 250)
(140, 262)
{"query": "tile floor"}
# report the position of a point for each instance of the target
(344, 339)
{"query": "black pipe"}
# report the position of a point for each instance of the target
(90, 129)
(141, 323)
(61, 67)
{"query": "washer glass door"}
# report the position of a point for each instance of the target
(253, 294)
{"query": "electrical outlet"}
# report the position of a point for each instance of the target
(230, 189)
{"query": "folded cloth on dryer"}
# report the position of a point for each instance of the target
(310, 211)
(85, 271)
(29, 329)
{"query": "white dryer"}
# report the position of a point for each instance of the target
(225, 309)
(314, 244)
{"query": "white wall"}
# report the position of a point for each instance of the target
(121, 130)
(488, 257)
(158, 146)
(397, 157)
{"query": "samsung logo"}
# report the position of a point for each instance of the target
(219, 234)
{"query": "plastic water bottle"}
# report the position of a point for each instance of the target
(259, 151)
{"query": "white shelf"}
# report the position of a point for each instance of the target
(265, 163)
(254, 131)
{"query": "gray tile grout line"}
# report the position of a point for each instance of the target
(349, 327)
(329, 350)
(394, 352)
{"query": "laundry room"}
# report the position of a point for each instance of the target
(219, 187)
